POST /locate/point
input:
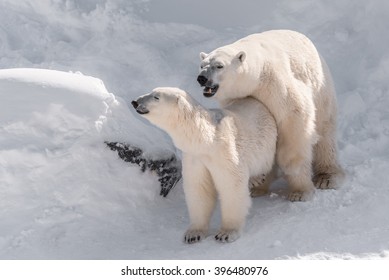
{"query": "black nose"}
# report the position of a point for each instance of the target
(202, 80)
(135, 104)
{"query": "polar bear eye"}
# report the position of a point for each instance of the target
(156, 97)
(219, 67)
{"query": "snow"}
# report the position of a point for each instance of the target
(65, 195)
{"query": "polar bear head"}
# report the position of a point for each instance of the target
(219, 70)
(162, 106)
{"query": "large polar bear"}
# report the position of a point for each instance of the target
(283, 70)
(221, 150)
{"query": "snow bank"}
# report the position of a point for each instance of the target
(43, 109)
(58, 179)
(65, 196)
(57, 108)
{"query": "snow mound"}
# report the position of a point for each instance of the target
(53, 108)
(59, 178)
(45, 109)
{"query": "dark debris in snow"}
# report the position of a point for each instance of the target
(168, 169)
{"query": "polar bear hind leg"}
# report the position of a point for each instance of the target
(294, 157)
(327, 173)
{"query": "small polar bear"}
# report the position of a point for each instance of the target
(283, 70)
(221, 150)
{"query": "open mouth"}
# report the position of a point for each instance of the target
(210, 91)
(142, 111)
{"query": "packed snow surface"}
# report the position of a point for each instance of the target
(65, 195)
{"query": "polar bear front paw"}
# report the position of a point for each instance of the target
(257, 181)
(325, 181)
(258, 186)
(258, 192)
(299, 196)
(225, 236)
(193, 236)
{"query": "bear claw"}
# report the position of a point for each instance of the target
(299, 196)
(324, 181)
(193, 236)
(227, 236)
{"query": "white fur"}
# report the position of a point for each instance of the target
(284, 71)
(221, 150)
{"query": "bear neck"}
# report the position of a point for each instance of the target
(193, 130)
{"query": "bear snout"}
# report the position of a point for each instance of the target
(140, 108)
(135, 104)
(202, 80)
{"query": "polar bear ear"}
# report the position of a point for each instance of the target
(179, 102)
(182, 103)
(203, 55)
(241, 56)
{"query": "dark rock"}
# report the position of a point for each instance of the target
(168, 169)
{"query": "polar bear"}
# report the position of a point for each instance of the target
(283, 70)
(221, 150)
